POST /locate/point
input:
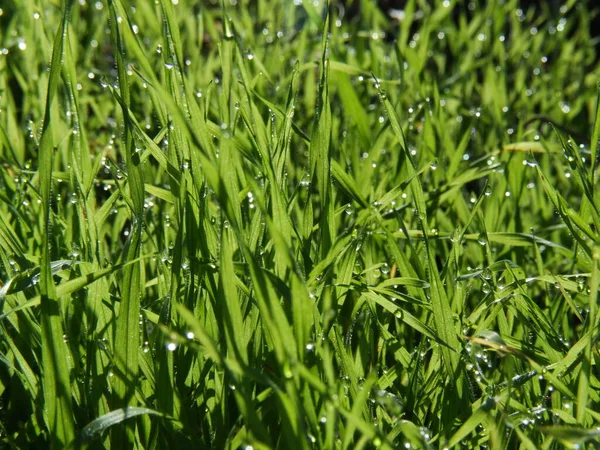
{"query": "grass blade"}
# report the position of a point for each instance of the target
(56, 383)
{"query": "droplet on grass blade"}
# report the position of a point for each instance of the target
(171, 346)
(482, 239)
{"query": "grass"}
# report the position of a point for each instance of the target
(257, 225)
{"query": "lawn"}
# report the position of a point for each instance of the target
(291, 224)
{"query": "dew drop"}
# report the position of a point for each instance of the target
(171, 346)
(482, 239)
(170, 63)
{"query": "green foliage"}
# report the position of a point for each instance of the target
(270, 224)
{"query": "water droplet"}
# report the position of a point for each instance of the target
(530, 161)
(170, 62)
(171, 346)
(482, 239)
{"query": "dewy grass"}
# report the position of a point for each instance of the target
(271, 224)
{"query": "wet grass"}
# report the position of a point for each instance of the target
(223, 227)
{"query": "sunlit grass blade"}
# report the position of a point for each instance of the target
(320, 152)
(94, 429)
(595, 140)
(55, 381)
(127, 337)
(587, 361)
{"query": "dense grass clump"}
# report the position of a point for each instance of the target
(292, 225)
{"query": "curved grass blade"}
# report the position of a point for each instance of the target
(94, 429)
(572, 437)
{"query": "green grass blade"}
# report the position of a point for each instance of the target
(56, 383)
(94, 429)
(320, 152)
(127, 338)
